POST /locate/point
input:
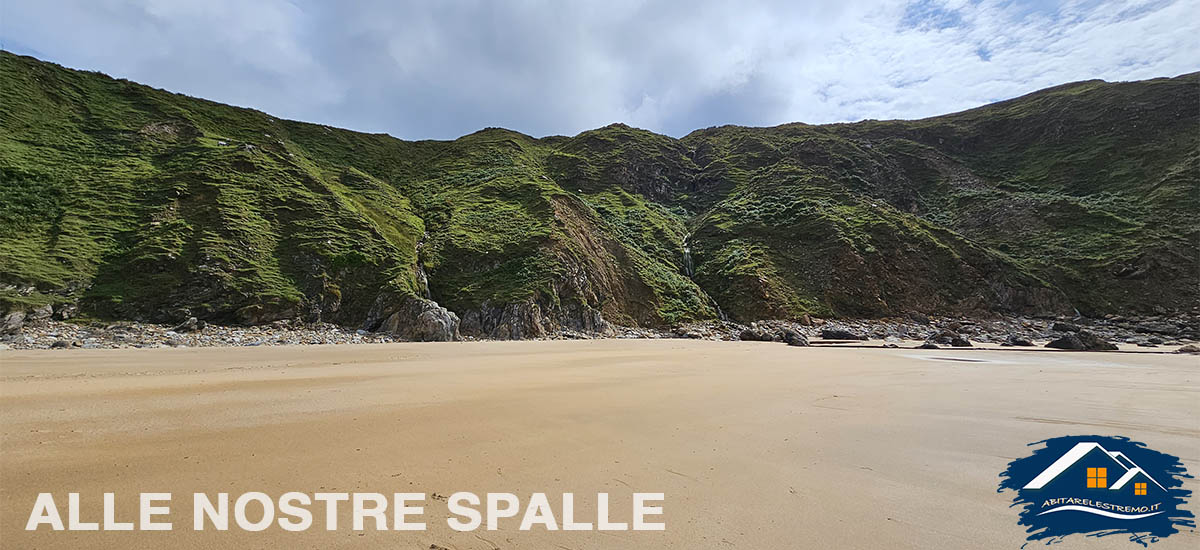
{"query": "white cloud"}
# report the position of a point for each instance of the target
(443, 69)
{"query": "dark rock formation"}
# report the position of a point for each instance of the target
(12, 321)
(1157, 327)
(1082, 341)
(40, 313)
(949, 337)
(754, 334)
(1017, 340)
(793, 338)
(1064, 327)
(837, 333)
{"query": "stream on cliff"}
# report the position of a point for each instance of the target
(690, 271)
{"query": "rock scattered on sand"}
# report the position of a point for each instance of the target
(1064, 327)
(1082, 341)
(751, 334)
(928, 345)
(949, 337)
(1017, 340)
(838, 333)
(794, 338)
(1157, 327)
(42, 334)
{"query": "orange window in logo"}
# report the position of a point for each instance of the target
(1139, 488)
(1097, 478)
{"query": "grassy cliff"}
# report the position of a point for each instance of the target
(140, 203)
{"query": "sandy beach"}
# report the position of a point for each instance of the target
(755, 445)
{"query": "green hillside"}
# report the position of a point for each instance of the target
(139, 203)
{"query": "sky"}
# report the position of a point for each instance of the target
(439, 69)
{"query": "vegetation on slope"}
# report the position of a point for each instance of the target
(141, 203)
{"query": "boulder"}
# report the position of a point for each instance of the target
(1082, 341)
(267, 312)
(12, 322)
(190, 325)
(918, 317)
(949, 337)
(836, 333)
(1064, 327)
(794, 338)
(928, 345)
(1190, 348)
(752, 334)
(1157, 327)
(1017, 340)
(422, 320)
(66, 311)
(40, 313)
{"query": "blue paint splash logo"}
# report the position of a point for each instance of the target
(1098, 486)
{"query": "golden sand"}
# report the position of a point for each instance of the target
(755, 445)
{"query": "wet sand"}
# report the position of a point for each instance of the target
(755, 445)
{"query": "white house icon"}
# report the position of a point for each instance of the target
(1081, 450)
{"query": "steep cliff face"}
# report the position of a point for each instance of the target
(139, 203)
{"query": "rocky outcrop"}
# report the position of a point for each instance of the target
(422, 320)
(40, 313)
(531, 319)
(412, 318)
(12, 321)
(505, 322)
(18, 316)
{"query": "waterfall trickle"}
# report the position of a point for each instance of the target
(422, 277)
(423, 280)
(687, 260)
(690, 270)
